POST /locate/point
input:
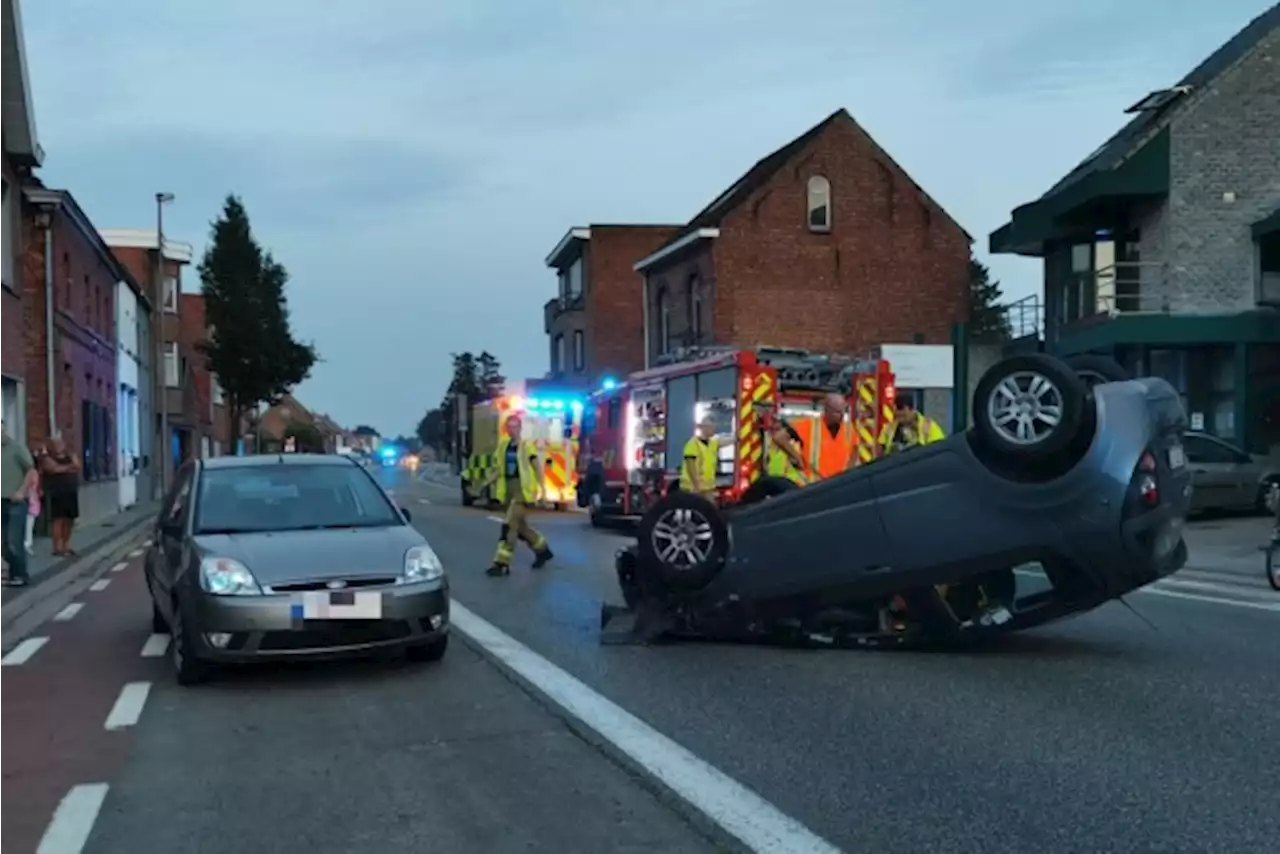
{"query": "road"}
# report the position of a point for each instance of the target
(1110, 733)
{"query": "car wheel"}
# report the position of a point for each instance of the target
(1095, 370)
(432, 650)
(188, 669)
(770, 486)
(1029, 408)
(1264, 490)
(683, 541)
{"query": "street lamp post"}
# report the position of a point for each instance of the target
(165, 449)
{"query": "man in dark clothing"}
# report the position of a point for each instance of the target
(16, 464)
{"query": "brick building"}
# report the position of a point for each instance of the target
(276, 420)
(825, 244)
(593, 324)
(22, 154)
(1162, 248)
(71, 379)
(211, 417)
(136, 248)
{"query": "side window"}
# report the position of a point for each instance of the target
(1201, 450)
(179, 495)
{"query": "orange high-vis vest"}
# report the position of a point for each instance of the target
(829, 455)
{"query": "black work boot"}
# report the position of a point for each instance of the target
(542, 558)
(498, 570)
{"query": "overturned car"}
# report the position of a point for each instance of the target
(1072, 467)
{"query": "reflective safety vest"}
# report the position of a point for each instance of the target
(828, 455)
(780, 464)
(526, 466)
(704, 456)
(927, 432)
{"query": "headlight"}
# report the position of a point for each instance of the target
(422, 564)
(225, 577)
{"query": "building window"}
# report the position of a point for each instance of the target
(171, 295)
(557, 354)
(171, 364)
(573, 285)
(8, 235)
(579, 350)
(819, 204)
(1269, 269)
(695, 309)
(664, 322)
(563, 278)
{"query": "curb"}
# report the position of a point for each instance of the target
(92, 564)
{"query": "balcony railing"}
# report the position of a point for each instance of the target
(556, 306)
(1126, 287)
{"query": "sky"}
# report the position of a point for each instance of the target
(412, 162)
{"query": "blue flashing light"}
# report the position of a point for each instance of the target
(609, 384)
(557, 404)
(532, 403)
(388, 451)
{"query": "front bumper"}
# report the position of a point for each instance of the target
(264, 627)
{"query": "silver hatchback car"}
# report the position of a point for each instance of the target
(289, 556)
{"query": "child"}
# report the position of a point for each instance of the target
(33, 506)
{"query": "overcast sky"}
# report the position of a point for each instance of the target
(412, 161)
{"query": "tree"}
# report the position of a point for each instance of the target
(491, 380)
(988, 321)
(250, 345)
(365, 431)
(431, 430)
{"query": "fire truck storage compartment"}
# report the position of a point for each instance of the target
(691, 398)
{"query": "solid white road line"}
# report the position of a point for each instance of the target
(739, 811)
(129, 706)
(22, 653)
(156, 646)
(100, 585)
(68, 612)
(120, 567)
(72, 821)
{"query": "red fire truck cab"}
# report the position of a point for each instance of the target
(634, 432)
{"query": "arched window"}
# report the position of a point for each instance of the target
(819, 196)
(695, 308)
(664, 321)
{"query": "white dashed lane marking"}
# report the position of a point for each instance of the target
(22, 653)
(72, 821)
(68, 612)
(137, 552)
(156, 646)
(100, 585)
(129, 705)
(120, 567)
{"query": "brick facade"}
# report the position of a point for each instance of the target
(211, 417)
(893, 268)
(84, 339)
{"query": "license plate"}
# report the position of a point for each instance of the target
(1177, 458)
(338, 605)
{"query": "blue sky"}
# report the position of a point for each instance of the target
(412, 162)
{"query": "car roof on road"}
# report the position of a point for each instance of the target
(262, 460)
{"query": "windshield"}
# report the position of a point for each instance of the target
(290, 498)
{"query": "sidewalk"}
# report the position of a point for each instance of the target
(84, 539)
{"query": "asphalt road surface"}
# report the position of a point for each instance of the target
(1112, 732)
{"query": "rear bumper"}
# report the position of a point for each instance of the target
(263, 628)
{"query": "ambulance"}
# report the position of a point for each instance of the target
(634, 431)
(550, 420)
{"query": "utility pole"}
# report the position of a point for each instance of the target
(165, 451)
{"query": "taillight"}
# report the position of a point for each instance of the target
(1149, 491)
(1147, 463)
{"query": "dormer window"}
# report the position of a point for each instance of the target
(819, 197)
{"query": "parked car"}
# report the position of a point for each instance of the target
(1226, 478)
(289, 556)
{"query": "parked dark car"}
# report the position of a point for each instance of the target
(1090, 480)
(289, 556)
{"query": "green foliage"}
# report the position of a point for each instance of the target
(251, 347)
(365, 431)
(431, 430)
(988, 321)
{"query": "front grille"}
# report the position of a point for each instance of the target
(335, 633)
(323, 584)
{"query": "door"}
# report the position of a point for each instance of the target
(1218, 474)
(164, 562)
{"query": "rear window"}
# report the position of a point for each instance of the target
(290, 498)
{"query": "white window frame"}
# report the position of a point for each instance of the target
(171, 291)
(559, 365)
(579, 350)
(573, 283)
(172, 363)
(818, 196)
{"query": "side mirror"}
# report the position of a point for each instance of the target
(404, 511)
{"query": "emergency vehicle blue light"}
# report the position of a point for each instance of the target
(388, 451)
(576, 406)
(557, 404)
(609, 383)
(532, 403)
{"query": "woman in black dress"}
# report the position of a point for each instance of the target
(61, 470)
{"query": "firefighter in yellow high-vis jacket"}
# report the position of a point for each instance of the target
(518, 478)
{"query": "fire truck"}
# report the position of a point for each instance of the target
(634, 432)
(552, 421)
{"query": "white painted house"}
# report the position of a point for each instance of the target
(131, 373)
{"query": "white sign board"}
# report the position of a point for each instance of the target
(920, 365)
(1197, 421)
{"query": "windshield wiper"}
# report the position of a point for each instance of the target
(204, 532)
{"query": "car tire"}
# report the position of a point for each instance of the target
(432, 650)
(1029, 408)
(188, 669)
(1096, 370)
(769, 486)
(1264, 489)
(683, 542)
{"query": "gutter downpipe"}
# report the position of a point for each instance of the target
(646, 320)
(49, 373)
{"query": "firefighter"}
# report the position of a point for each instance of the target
(786, 454)
(518, 477)
(698, 470)
(832, 449)
(909, 428)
